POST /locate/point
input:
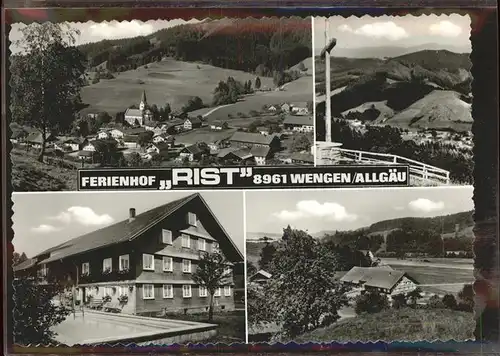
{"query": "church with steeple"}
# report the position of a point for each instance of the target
(137, 117)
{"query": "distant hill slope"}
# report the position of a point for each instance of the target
(445, 224)
(393, 51)
(439, 109)
(243, 44)
(429, 88)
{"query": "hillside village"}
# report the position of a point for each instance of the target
(277, 134)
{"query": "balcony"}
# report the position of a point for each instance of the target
(105, 276)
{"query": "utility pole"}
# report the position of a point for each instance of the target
(325, 54)
(328, 112)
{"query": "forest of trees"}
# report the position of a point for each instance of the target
(262, 46)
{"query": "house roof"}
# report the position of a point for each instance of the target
(379, 277)
(165, 136)
(242, 153)
(260, 151)
(36, 137)
(160, 145)
(131, 138)
(84, 153)
(254, 138)
(225, 151)
(198, 231)
(74, 140)
(261, 273)
(134, 130)
(133, 112)
(305, 157)
(298, 120)
(119, 232)
(219, 122)
(194, 149)
(17, 133)
(194, 120)
(126, 230)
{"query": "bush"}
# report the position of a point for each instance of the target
(436, 302)
(34, 312)
(399, 301)
(466, 296)
(449, 301)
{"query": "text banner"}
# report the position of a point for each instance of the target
(187, 178)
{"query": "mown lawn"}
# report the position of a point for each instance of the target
(231, 325)
(398, 325)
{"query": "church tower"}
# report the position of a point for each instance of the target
(144, 104)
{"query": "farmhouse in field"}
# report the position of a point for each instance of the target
(192, 123)
(219, 125)
(138, 116)
(380, 279)
(143, 264)
(249, 140)
(299, 123)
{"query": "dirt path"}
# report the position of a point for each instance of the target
(215, 109)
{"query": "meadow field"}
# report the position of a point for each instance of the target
(439, 275)
(299, 90)
(175, 82)
(204, 134)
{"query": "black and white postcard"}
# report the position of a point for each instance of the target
(158, 93)
(144, 268)
(360, 265)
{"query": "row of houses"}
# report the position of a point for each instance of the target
(144, 264)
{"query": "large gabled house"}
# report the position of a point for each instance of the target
(381, 279)
(145, 264)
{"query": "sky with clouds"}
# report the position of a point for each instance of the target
(402, 31)
(94, 32)
(44, 220)
(319, 210)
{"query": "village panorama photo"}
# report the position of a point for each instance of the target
(360, 265)
(143, 268)
(395, 90)
(213, 92)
